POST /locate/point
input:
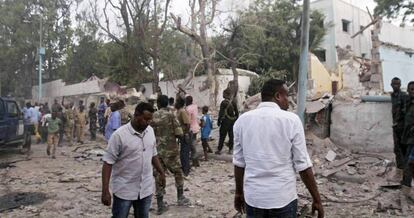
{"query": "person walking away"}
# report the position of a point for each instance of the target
(184, 141)
(44, 126)
(46, 108)
(192, 111)
(167, 129)
(56, 107)
(398, 100)
(206, 127)
(101, 112)
(28, 113)
(92, 114)
(53, 126)
(61, 116)
(408, 141)
(69, 123)
(227, 116)
(269, 148)
(108, 112)
(80, 122)
(114, 121)
(129, 158)
(35, 119)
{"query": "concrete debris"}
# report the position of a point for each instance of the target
(330, 156)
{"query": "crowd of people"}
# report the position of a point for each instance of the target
(69, 122)
(269, 147)
(403, 133)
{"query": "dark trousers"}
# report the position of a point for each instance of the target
(193, 148)
(226, 128)
(29, 130)
(185, 154)
(43, 134)
(101, 122)
(400, 150)
(121, 207)
(61, 133)
(289, 211)
(92, 129)
(407, 174)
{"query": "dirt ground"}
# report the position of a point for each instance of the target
(70, 185)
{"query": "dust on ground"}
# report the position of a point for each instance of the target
(70, 185)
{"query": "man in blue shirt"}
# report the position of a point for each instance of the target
(114, 120)
(28, 113)
(206, 127)
(101, 112)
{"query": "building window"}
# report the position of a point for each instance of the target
(321, 54)
(345, 25)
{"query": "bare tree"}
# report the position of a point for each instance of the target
(144, 22)
(199, 35)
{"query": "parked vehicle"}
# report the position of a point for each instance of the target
(12, 131)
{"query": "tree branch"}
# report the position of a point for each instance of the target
(213, 12)
(184, 29)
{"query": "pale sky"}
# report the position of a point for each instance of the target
(227, 8)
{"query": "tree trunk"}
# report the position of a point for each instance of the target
(208, 65)
(234, 84)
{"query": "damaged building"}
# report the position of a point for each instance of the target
(365, 53)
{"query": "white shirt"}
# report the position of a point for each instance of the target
(130, 154)
(270, 144)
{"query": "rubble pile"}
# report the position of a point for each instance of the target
(354, 180)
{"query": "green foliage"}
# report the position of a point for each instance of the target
(267, 36)
(20, 35)
(257, 83)
(175, 55)
(393, 9)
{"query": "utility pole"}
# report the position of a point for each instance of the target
(303, 63)
(41, 54)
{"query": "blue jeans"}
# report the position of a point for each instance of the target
(289, 211)
(120, 207)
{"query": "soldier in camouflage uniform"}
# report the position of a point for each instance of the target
(124, 111)
(398, 99)
(408, 141)
(70, 122)
(167, 129)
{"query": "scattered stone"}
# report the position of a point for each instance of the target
(330, 156)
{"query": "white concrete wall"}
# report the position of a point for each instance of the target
(58, 88)
(361, 43)
(326, 8)
(396, 35)
(396, 64)
(201, 98)
(362, 127)
(335, 11)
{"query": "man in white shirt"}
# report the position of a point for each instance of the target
(269, 148)
(129, 158)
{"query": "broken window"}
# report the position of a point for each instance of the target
(321, 54)
(345, 25)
